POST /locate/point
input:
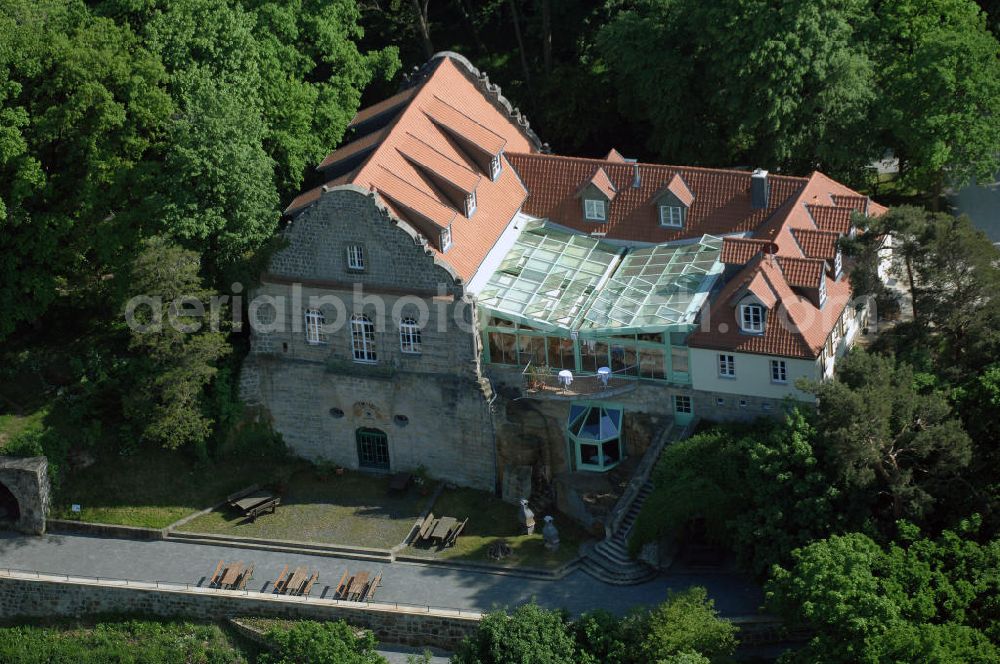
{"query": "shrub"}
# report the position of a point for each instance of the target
(322, 643)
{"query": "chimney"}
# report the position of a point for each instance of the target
(637, 179)
(760, 190)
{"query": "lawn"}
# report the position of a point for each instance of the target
(491, 519)
(139, 641)
(351, 509)
(12, 424)
(156, 487)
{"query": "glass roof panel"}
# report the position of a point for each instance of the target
(551, 276)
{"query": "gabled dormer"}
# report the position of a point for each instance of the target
(596, 195)
(807, 276)
(752, 304)
(673, 202)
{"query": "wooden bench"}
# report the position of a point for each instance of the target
(241, 583)
(309, 584)
(455, 533)
(280, 580)
(372, 587)
(426, 527)
(216, 575)
(233, 497)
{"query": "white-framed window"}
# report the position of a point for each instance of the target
(743, 403)
(682, 403)
(822, 289)
(314, 324)
(719, 401)
(752, 318)
(470, 204)
(363, 338)
(409, 336)
(355, 257)
(838, 264)
(496, 166)
(779, 372)
(727, 365)
(445, 239)
(671, 215)
(593, 209)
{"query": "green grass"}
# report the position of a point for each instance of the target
(491, 519)
(12, 425)
(140, 641)
(156, 487)
(351, 509)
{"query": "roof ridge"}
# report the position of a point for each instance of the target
(600, 161)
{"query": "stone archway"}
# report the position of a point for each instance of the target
(24, 493)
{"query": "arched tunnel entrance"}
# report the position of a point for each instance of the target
(10, 510)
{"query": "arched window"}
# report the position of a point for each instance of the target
(314, 323)
(409, 336)
(363, 338)
(373, 448)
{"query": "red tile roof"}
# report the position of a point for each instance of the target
(366, 142)
(615, 155)
(739, 250)
(801, 272)
(383, 106)
(855, 202)
(426, 157)
(831, 217)
(721, 198)
(679, 188)
(601, 182)
(816, 244)
(795, 327)
(449, 113)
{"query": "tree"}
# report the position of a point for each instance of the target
(322, 643)
(528, 634)
(773, 84)
(761, 489)
(916, 600)
(174, 348)
(885, 436)
(941, 91)
(687, 625)
(82, 106)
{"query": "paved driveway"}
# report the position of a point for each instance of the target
(403, 582)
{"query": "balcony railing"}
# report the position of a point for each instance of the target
(546, 381)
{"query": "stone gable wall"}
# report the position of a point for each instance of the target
(28, 480)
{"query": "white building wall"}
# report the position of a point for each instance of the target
(753, 375)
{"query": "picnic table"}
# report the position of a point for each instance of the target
(255, 503)
(357, 588)
(232, 576)
(299, 582)
(444, 530)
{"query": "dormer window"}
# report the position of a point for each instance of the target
(752, 318)
(445, 239)
(594, 210)
(672, 216)
(470, 205)
(496, 166)
(838, 265)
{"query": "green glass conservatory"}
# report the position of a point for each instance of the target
(594, 434)
(562, 300)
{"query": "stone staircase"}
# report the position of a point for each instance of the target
(609, 560)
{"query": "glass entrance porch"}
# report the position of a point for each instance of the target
(594, 432)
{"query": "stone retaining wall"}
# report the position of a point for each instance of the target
(22, 595)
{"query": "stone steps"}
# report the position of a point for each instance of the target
(609, 561)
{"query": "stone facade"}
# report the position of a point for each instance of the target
(28, 480)
(432, 407)
(27, 598)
